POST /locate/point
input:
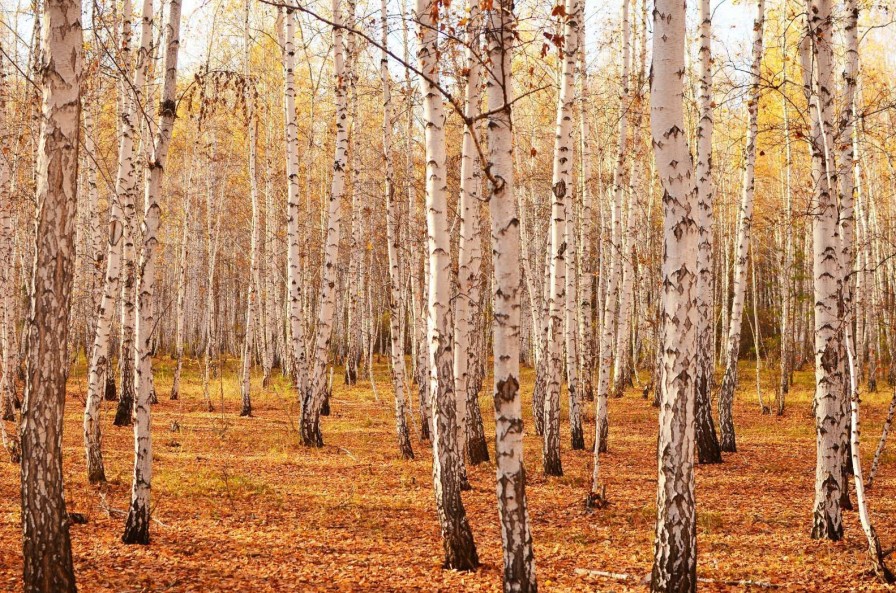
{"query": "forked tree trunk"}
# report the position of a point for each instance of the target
(457, 537)
(708, 450)
(519, 562)
(46, 546)
(393, 225)
(675, 545)
(744, 229)
(136, 529)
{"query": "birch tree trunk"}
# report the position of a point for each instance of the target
(708, 450)
(611, 247)
(827, 520)
(519, 562)
(137, 525)
(744, 227)
(675, 547)
(316, 394)
(875, 552)
(46, 546)
(561, 185)
(297, 355)
(125, 180)
(457, 537)
(587, 272)
(393, 225)
(254, 277)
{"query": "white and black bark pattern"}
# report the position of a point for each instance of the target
(46, 546)
(137, 525)
(744, 228)
(297, 355)
(882, 442)
(393, 225)
(469, 255)
(612, 245)
(571, 320)
(99, 367)
(708, 450)
(457, 537)
(180, 306)
(519, 562)
(875, 552)
(675, 546)
(254, 277)
(587, 268)
(826, 269)
(561, 190)
(313, 399)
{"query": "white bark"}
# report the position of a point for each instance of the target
(457, 538)
(46, 546)
(675, 549)
(314, 398)
(137, 525)
(744, 230)
(561, 188)
(393, 225)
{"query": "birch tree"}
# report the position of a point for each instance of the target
(519, 563)
(817, 63)
(396, 344)
(675, 545)
(708, 450)
(137, 525)
(561, 185)
(46, 545)
(457, 537)
(744, 229)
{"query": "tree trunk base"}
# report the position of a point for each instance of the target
(136, 529)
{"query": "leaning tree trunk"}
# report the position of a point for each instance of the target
(519, 562)
(560, 188)
(136, 529)
(827, 519)
(457, 537)
(46, 547)
(744, 226)
(675, 546)
(708, 450)
(393, 225)
(314, 397)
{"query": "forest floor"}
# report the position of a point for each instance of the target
(240, 505)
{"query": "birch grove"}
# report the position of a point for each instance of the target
(326, 230)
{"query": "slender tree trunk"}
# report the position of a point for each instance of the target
(827, 520)
(885, 431)
(393, 224)
(137, 525)
(254, 277)
(519, 562)
(675, 549)
(315, 396)
(561, 190)
(611, 245)
(457, 537)
(296, 352)
(744, 228)
(708, 450)
(46, 546)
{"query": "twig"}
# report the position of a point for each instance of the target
(620, 576)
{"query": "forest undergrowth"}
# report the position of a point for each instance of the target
(240, 505)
